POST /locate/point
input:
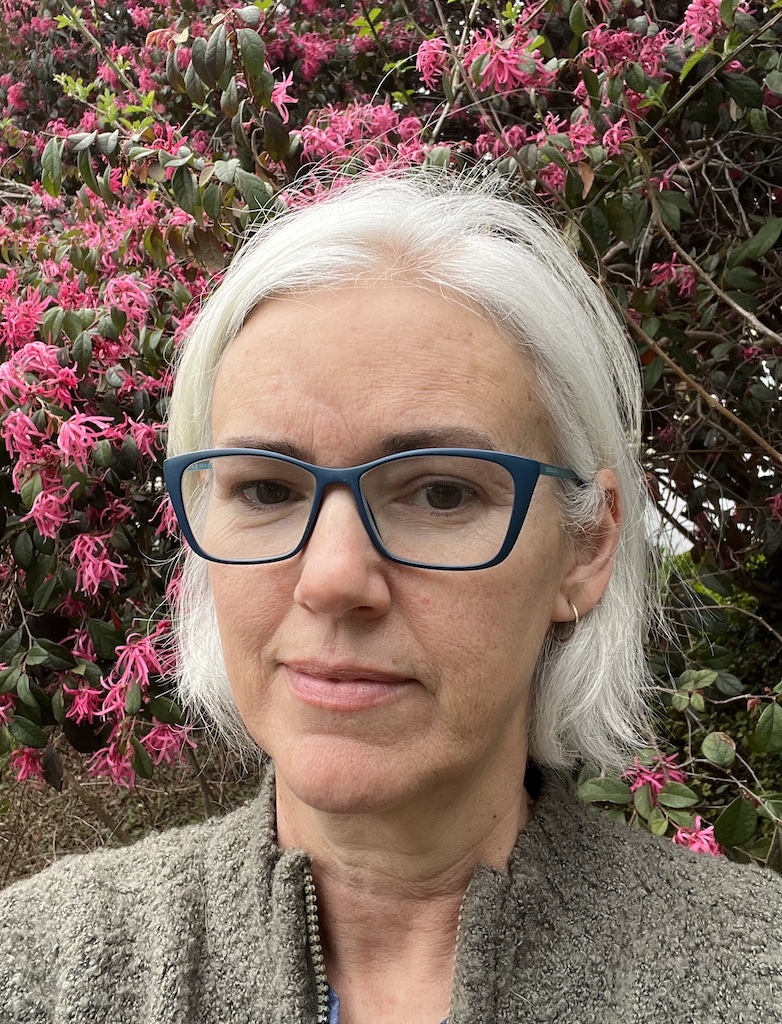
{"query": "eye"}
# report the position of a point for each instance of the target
(445, 496)
(266, 492)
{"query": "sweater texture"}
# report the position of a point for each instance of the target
(594, 923)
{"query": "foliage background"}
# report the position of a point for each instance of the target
(140, 141)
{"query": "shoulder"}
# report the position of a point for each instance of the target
(614, 855)
(97, 908)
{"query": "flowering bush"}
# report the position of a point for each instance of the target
(139, 142)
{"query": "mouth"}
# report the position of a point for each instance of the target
(345, 687)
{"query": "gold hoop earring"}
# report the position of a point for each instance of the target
(576, 619)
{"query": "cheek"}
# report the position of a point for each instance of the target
(247, 616)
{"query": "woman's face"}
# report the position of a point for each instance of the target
(368, 682)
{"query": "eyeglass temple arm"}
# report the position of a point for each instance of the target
(559, 472)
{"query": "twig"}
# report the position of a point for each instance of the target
(713, 402)
(701, 84)
(203, 785)
(76, 18)
(96, 808)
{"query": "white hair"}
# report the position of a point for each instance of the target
(506, 260)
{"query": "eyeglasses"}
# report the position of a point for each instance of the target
(435, 508)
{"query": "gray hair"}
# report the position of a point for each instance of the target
(505, 259)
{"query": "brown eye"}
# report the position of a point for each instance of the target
(268, 492)
(444, 496)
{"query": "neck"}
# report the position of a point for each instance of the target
(391, 883)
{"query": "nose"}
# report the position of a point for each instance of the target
(341, 570)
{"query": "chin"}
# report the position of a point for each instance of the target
(339, 776)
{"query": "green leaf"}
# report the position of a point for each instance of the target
(742, 278)
(719, 748)
(672, 205)
(255, 191)
(768, 731)
(58, 705)
(774, 82)
(612, 791)
(658, 822)
(194, 85)
(218, 54)
(676, 794)
(757, 246)
(595, 224)
(27, 733)
(592, 83)
(728, 684)
(743, 89)
(577, 20)
(198, 63)
(652, 373)
(82, 351)
(52, 768)
(642, 800)
(680, 701)
(728, 11)
(23, 690)
(22, 550)
(51, 166)
(253, 52)
(87, 171)
(133, 700)
(620, 220)
(684, 819)
(635, 78)
(105, 638)
(693, 60)
(57, 657)
(10, 646)
(185, 189)
(697, 702)
(30, 490)
(165, 710)
(142, 764)
(736, 825)
(696, 679)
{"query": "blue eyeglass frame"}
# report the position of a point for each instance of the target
(525, 473)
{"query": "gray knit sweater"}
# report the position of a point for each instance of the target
(595, 924)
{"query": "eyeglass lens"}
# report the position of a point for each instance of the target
(431, 509)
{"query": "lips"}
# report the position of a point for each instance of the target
(344, 687)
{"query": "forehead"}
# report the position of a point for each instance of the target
(335, 371)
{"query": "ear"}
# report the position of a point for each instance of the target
(593, 556)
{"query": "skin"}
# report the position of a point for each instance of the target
(397, 803)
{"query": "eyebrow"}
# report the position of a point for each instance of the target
(389, 444)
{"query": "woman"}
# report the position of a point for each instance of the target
(403, 453)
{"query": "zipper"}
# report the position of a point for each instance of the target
(316, 948)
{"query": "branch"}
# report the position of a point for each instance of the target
(77, 21)
(713, 402)
(96, 808)
(730, 56)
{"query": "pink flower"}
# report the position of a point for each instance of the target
(615, 136)
(702, 19)
(430, 61)
(27, 762)
(673, 271)
(86, 704)
(114, 762)
(281, 98)
(167, 743)
(89, 556)
(22, 437)
(7, 704)
(78, 436)
(655, 775)
(51, 510)
(699, 839)
(775, 503)
(126, 293)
